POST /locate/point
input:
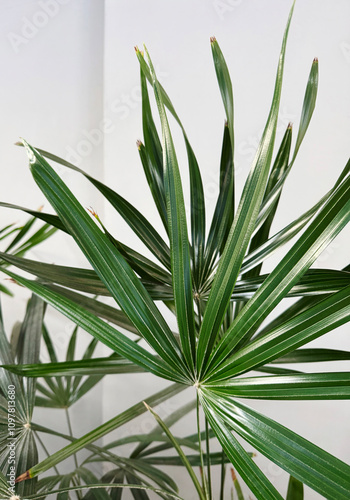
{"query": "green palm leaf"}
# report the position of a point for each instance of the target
(100, 431)
(302, 328)
(179, 245)
(331, 219)
(101, 330)
(224, 209)
(196, 186)
(293, 386)
(113, 270)
(250, 472)
(310, 464)
(273, 193)
(242, 227)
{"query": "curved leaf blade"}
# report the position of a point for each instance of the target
(274, 193)
(329, 222)
(294, 386)
(180, 452)
(295, 489)
(196, 185)
(242, 461)
(111, 267)
(179, 245)
(100, 431)
(138, 223)
(302, 328)
(100, 330)
(242, 227)
(308, 463)
(81, 367)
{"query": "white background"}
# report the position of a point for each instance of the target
(70, 85)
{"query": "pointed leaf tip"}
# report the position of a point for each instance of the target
(233, 474)
(23, 477)
(290, 126)
(147, 406)
(29, 151)
(138, 144)
(93, 213)
(12, 280)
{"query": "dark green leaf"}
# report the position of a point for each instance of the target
(307, 462)
(99, 329)
(95, 366)
(242, 227)
(179, 245)
(313, 356)
(302, 328)
(138, 223)
(248, 470)
(331, 219)
(293, 386)
(295, 489)
(113, 270)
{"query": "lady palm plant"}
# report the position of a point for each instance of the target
(212, 282)
(19, 239)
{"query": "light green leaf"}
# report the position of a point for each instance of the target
(100, 431)
(28, 347)
(180, 453)
(103, 485)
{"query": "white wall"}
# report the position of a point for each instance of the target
(77, 79)
(51, 57)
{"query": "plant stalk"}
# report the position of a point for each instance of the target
(204, 480)
(70, 429)
(222, 476)
(208, 458)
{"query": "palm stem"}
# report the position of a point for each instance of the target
(222, 478)
(69, 423)
(208, 458)
(204, 481)
(71, 434)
